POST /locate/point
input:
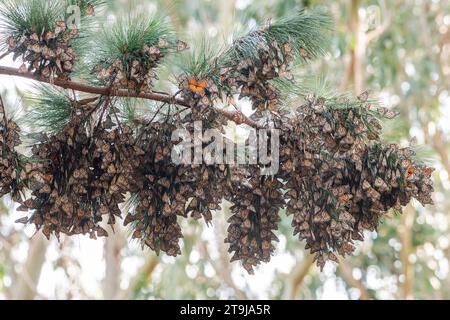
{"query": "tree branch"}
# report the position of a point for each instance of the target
(112, 255)
(382, 28)
(26, 284)
(297, 275)
(346, 273)
(407, 222)
(235, 116)
(143, 276)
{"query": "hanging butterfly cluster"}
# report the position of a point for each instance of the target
(256, 206)
(335, 178)
(79, 176)
(161, 195)
(136, 70)
(167, 190)
(339, 184)
(251, 75)
(10, 173)
(46, 53)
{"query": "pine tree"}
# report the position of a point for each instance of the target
(96, 149)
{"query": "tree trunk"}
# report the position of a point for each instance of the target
(358, 48)
(405, 237)
(297, 276)
(112, 254)
(27, 279)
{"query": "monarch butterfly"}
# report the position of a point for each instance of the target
(181, 45)
(363, 96)
(23, 220)
(90, 10)
(60, 27)
(271, 183)
(406, 163)
(386, 113)
(344, 198)
(428, 171)
(197, 86)
(54, 157)
(11, 42)
(411, 171)
(303, 53)
(102, 232)
(162, 43)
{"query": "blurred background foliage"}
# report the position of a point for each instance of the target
(400, 52)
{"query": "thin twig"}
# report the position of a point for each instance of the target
(156, 113)
(150, 121)
(117, 119)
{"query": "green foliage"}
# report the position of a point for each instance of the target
(84, 4)
(24, 17)
(319, 85)
(306, 30)
(128, 109)
(201, 62)
(423, 154)
(308, 33)
(125, 39)
(50, 109)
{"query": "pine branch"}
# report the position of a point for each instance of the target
(307, 32)
(334, 180)
(20, 17)
(128, 46)
(201, 62)
(235, 116)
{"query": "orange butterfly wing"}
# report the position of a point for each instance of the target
(411, 171)
(202, 85)
(193, 84)
(197, 87)
(428, 171)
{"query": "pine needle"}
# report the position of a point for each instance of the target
(24, 17)
(125, 40)
(307, 30)
(50, 109)
(201, 62)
